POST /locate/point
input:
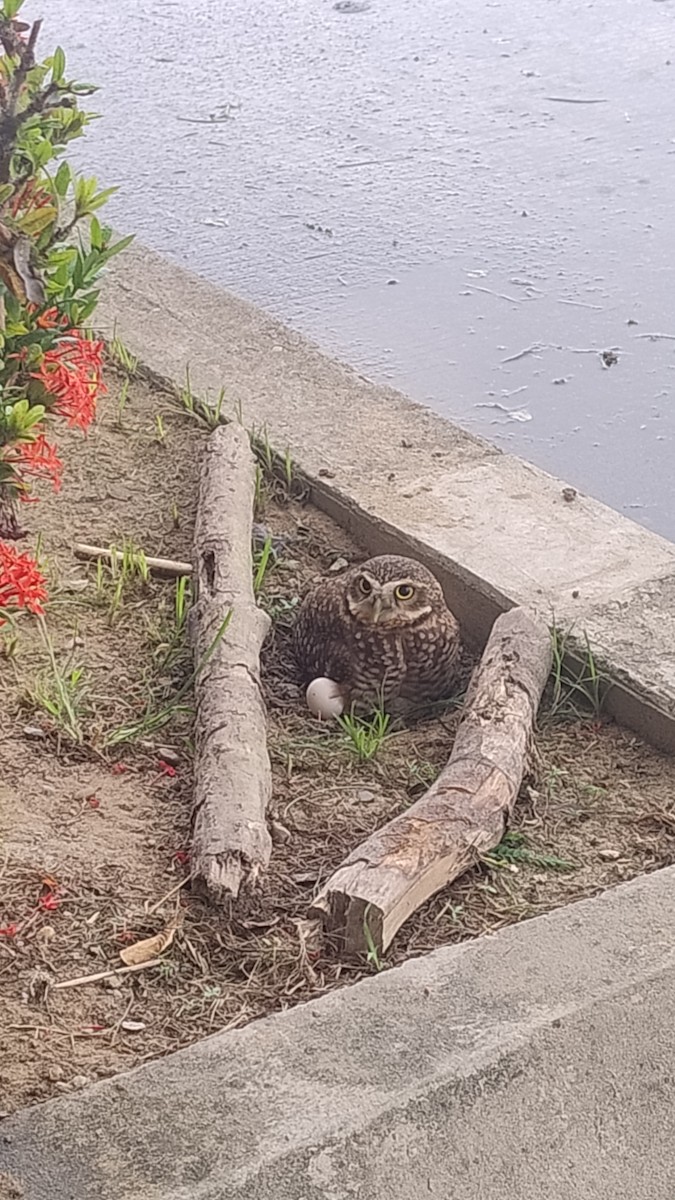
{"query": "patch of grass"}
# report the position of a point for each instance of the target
(160, 431)
(154, 718)
(372, 955)
(365, 736)
(116, 575)
(277, 476)
(264, 561)
(210, 415)
(122, 401)
(182, 602)
(122, 356)
(60, 692)
(422, 772)
(578, 685)
(512, 850)
(261, 493)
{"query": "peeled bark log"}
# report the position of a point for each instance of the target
(233, 781)
(464, 813)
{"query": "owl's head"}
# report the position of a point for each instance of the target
(390, 591)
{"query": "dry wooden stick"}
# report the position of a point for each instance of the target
(166, 568)
(464, 813)
(82, 979)
(233, 779)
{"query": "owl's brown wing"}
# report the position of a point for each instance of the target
(432, 659)
(321, 638)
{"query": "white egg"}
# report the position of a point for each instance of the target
(325, 698)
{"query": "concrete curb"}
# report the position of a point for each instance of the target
(497, 530)
(540, 1061)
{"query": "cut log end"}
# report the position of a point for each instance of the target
(221, 877)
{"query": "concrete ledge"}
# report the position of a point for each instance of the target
(497, 530)
(539, 1062)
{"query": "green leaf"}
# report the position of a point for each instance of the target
(95, 234)
(58, 64)
(117, 248)
(62, 179)
(38, 220)
(6, 190)
(101, 198)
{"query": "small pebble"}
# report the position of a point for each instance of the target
(569, 494)
(169, 755)
(55, 1072)
(338, 564)
(79, 1081)
(33, 731)
(610, 855)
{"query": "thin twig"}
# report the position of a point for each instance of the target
(500, 295)
(533, 349)
(657, 337)
(167, 567)
(177, 888)
(82, 979)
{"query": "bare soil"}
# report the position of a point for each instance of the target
(94, 833)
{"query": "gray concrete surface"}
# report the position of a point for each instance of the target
(537, 1063)
(497, 530)
(436, 141)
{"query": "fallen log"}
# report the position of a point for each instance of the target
(233, 782)
(463, 814)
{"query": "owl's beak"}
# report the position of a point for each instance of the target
(380, 606)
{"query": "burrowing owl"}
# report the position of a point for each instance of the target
(383, 631)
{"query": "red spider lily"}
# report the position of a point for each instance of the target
(51, 318)
(119, 768)
(181, 857)
(166, 768)
(21, 584)
(50, 902)
(72, 371)
(9, 931)
(38, 459)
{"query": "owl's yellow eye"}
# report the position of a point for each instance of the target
(404, 591)
(365, 586)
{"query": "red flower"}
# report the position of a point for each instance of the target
(72, 372)
(166, 768)
(181, 857)
(50, 902)
(21, 584)
(50, 318)
(119, 768)
(9, 931)
(37, 458)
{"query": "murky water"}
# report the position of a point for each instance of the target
(470, 200)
